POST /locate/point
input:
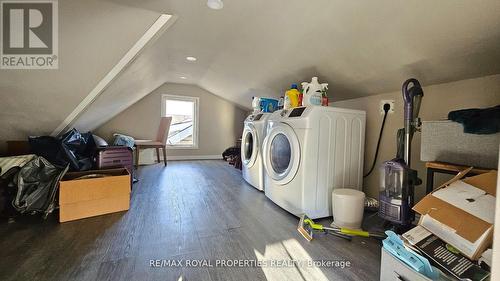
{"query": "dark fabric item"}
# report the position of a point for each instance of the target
(49, 148)
(232, 151)
(73, 148)
(478, 121)
(8, 191)
(37, 183)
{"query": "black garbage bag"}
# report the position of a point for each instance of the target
(37, 184)
(78, 149)
(49, 148)
(73, 148)
(8, 191)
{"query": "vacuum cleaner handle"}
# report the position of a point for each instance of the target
(408, 97)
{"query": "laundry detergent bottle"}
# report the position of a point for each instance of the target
(313, 92)
(256, 105)
(293, 96)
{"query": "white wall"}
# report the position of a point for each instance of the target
(437, 102)
(221, 122)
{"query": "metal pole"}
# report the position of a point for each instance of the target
(408, 137)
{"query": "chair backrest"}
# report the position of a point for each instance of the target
(163, 129)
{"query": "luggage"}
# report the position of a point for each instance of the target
(114, 157)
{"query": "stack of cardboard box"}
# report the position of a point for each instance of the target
(456, 224)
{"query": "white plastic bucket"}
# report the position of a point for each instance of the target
(347, 207)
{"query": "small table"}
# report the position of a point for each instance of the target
(447, 168)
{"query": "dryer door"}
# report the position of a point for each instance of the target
(249, 146)
(281, 154)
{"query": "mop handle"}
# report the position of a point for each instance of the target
(354, 232)
(347, 231)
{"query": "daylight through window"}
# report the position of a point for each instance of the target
(184, 113)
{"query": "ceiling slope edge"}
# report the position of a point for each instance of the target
(150, 36)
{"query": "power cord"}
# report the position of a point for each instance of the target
(386, 110)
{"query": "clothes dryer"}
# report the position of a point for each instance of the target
(251, 145)
(309, 151)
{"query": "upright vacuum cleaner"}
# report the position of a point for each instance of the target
(398, 180)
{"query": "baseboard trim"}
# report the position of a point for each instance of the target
(148, 157)
(194, 157)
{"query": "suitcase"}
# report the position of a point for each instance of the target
(115, 157)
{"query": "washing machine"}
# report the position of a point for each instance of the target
(251, 145)
(309, 151)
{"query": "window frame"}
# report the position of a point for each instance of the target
(196, 119)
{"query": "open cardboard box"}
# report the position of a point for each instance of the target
(461, 212)
(83, 198)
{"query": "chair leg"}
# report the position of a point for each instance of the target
(164, 155)
(136, 156)
(158, 154)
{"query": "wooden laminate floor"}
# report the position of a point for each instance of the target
(191, 210)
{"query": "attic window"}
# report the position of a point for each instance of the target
(184, 111)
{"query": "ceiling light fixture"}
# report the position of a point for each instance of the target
(215, 4)
(191, 58)
(183, 77)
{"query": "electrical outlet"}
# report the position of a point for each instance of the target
(390, 102)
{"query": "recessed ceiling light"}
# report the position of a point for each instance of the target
(215, 4)
(191, 58)
(183, 77)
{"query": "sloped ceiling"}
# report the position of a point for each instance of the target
(258, 48)
(251, 48)
(361, 48)
(143, 76)
(93, 36)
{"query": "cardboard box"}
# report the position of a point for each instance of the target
(83, 198)
(461, 212)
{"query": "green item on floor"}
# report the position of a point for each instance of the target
(307, 225)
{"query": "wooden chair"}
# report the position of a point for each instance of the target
(159, 143)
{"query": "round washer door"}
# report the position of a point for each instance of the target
(249, 146)
(282, 154)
